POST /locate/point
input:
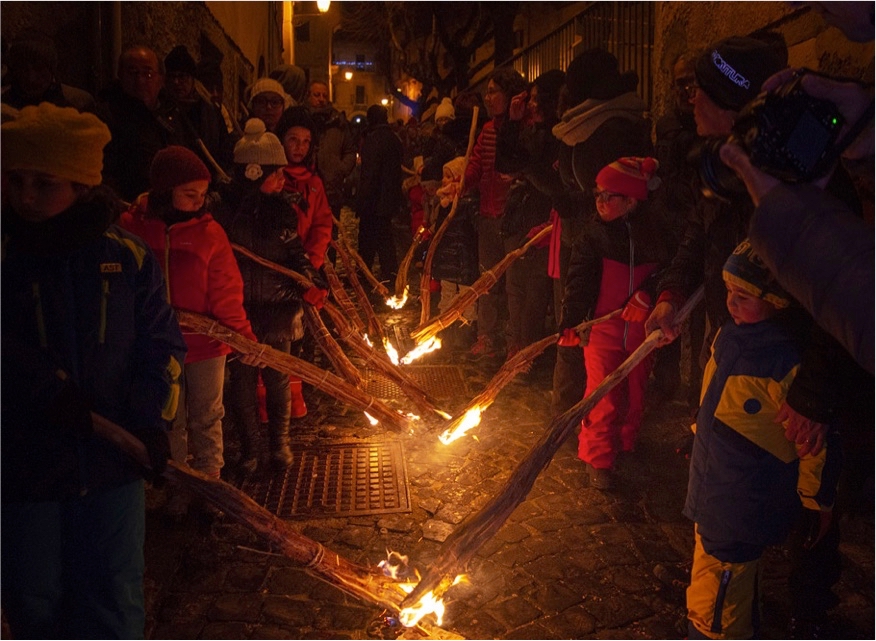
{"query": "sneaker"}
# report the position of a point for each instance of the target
(483, 348)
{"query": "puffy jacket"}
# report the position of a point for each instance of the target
(314, 213)
(201, 272)
(456, 257)
(611, 262)
(746, 482)
(85, 297)
(267, 224)
(481, 173)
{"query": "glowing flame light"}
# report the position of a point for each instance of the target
(423, 348)
(397, 303)
(396, 567)
(371, 419)
(391, 351)
(429, 604)
(472, 418)
(367, 340)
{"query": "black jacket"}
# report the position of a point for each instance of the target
(380, 180)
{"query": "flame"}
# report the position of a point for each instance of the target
(367, 340)
(396, 567)
(371, 419)
(423, 348)
(472, 418)
(391, 351)
(397, 303)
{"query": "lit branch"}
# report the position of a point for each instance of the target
(344, 245)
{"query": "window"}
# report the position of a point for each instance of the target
(360, 94)
(302, 33)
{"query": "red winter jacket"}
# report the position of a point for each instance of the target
(314, 213)
(200, 271)
(481, 173)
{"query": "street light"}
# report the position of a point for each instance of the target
(384, 101)
(323, 5)
(348, 75)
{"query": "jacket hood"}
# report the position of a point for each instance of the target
(579, 123)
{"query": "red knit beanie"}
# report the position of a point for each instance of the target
(629, 176)
(174, 166)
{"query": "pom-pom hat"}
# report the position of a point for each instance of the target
(631, 176)
(174, 166)
(258, 148)
(59, 141)
(745, 269)
(445, 110)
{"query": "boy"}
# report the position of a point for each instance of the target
(746, 480)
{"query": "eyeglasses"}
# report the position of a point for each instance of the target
(605, 195)
(690, 90)
(273, 103)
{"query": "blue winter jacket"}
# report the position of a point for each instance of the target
(746, 482)
(83, 297)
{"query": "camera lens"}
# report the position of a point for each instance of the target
(717, 179)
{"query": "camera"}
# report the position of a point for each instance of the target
(786, 133)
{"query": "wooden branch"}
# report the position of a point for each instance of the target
(329, 347)
(480, 287)
(353, 339)
(359, 581)
(464, 542)
(426, 276)
(340, 295)
(375, 329)
(401, 279)
(288, 364)
(344, 245)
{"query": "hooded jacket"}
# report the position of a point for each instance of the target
(201, 272)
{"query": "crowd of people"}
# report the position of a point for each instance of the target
(119, 209)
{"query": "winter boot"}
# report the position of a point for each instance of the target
(252, 447)
(280, 450)
(299, 408)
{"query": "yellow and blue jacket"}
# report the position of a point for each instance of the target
(746, 482)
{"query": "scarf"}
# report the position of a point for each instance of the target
(579, 123)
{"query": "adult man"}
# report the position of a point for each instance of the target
(141, 119)
(201, 118)
(380, 196)
(335, 148)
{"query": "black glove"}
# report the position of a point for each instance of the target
(158, 447)
(70, 411)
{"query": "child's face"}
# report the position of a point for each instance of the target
(746, 308)
(612, 206)
(296, 142)
(190, 196)
(37, 197)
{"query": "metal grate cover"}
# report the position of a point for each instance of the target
(338, 479)
(439, 381)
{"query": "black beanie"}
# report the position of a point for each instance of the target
(595, 74)
(732, 71)
(180, 60)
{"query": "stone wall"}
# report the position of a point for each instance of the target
(690, 26)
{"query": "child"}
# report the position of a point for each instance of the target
(746, 482)
(455, 263)
(614, 266)
(86, 327)
(260, 216)
(202, 277)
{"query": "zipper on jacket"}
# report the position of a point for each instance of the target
(40, 317)
(632, 272)
(104, 296)
(167, 261)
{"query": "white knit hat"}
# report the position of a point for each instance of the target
(258, 148)
(269, 85)
(445, 110)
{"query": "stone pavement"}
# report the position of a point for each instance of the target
(571, 561)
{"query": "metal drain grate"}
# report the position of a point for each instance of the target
(439, 381)
(339, 479)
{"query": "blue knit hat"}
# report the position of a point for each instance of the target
(745, 269)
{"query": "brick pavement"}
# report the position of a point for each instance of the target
(571, 562)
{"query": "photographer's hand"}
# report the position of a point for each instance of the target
(517, 108)
(851, 98)
(758, 182)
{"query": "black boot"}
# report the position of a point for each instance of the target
(252, 447)
(281, 454)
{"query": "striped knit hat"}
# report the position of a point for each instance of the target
(632, 177)
(745, 269)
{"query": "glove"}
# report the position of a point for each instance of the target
(637, 308)
(316, 296)
(544, 242)
(569, 338)
(158, 448)
(70, 411)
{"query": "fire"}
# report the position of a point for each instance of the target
(371, 419)
(423, 348)
(396, 566)
(472, 418)
(391, 351)
(397, 303)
